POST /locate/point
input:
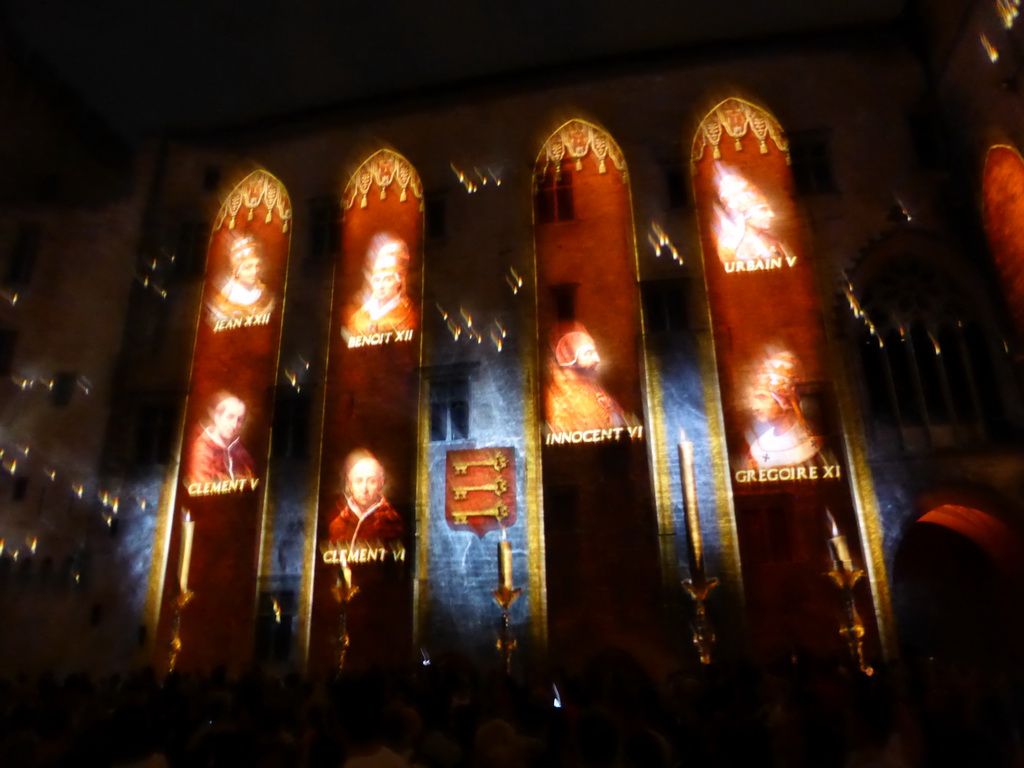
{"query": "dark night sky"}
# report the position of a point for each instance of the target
(151, 64)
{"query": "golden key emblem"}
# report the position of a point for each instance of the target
(500, 512)
(497, 462)
(498, 488)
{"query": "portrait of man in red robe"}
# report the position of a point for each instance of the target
(217, 453)
(244, 294)
(363, 515)
(387, 307)
(574, 399)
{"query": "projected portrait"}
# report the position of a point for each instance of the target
(363, 515)
(783, 433)
(243, 295)
(574, 398)
(386, 307)
(743, 221)
(217, 455)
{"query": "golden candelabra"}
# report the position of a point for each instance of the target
(180, 603)
(852, 628)
(344, 590)
(845, 576)
(704, 638)
(504, 597)
(698, 586)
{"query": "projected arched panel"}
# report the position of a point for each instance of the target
(1003, 211)
(367, 471)
(783, 432)
(222, 478)
(600, 526)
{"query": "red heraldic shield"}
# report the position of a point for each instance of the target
(480, 489)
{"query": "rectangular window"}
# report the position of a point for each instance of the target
(675, 187)
(927, 137)
(291, 424)
(564, 295)
(275, 624)
(812, 162)
(20, 488)
(324, 228)
(449, 409)
(211, 178)
(435, 212)
(22, 262)
(8, 338)
(63, 388)
(665, 305)
(190, 248)
(154, 433)
(554, 200)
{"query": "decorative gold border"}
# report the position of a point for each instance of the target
(537, 566)
(421, 584)
(305, 617)
(265, 564)
(728, 537)
(161, 547)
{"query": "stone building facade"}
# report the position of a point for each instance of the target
(556, 204)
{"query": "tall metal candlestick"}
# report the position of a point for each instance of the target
(696, 545)
(504, 596)
(188, 528)
(846, 577)
(184, 596)
(344, 590)
(505, 564)
(698, 586)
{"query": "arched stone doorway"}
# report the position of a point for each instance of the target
(958, 582)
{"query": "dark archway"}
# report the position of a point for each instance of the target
(957, 586)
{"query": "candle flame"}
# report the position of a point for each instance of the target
(33, 544)
(2, 546)
(990, 50)
(467, 317)
(277, 611)
(1008, 11)
(832, 522)
(444, 313)
(78, 489)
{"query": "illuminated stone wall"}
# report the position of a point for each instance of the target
(468, 263)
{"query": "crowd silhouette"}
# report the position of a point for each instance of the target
(450, 714)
